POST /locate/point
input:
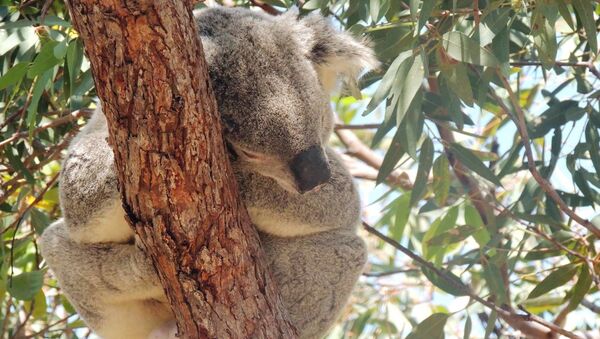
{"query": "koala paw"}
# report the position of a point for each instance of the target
(145, 267)
(167, 330)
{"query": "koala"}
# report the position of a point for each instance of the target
(272, 77)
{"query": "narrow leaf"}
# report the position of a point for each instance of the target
(14, 75)
(584, 282)
(555, 279)
(425, 161)
(441, 179)
(25, 285)
(465, 49)
(470, 160)
(585, 11)
(430, 328)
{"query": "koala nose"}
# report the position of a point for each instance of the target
(310, 168)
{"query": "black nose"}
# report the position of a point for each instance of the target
(310, 168)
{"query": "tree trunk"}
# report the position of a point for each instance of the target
(177, 185)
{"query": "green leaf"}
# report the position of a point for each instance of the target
(451, 284)
(565, 13)
(451, 102)
(582, 184)
(467, 330)
(472, 217)
(425, 160)
(15, 162)
(79, 323)
(391, 158)
(39, 220)
(386, 83)
(501, 45)
(494, 280)
(554, 280)
(74, 59)
(441, 179)
(491, 324)
(407, 84)
(585, 11)
(593, 143)
(414, 8)
(452, 236)
(311, 5)
(458, 81)
(44, 60)
(402, 206)
(470, 160)
(439, 226)
(25, 285)
(544, 35)
(426, 11)
(60, 50)
(462, 48)
(360, 323)
(14, 75)
(39, 305)
(557, 114)
(412, 125)
(430, 328)
(584, 282)
(38, 89)
(374, 10)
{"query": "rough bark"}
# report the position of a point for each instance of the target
(177, 185)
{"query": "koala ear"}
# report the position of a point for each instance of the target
(336, 55)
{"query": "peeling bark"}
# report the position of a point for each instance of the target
(178, 188)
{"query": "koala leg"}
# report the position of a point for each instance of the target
(114, 287)
(315, 275)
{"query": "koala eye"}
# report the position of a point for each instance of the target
(249, 155)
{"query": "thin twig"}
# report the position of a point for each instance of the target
(54, 123)
(590, 306)
(519, 119)
(587, 64)
(6, 317)
(353, 127)
(47, 328)
(390, 272)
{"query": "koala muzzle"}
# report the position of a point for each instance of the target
(310, 168)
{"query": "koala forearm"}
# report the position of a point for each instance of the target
(105, 272)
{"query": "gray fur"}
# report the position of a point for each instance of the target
(272, 85)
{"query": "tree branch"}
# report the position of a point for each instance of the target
(178, 189)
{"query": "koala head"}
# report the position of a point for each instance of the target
(272, 78)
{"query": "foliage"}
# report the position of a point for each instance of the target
(462, 88)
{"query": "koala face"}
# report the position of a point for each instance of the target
(271, 77)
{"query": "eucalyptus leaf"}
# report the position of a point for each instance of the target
(463, 48)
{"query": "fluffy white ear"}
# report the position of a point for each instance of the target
(336, 55)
